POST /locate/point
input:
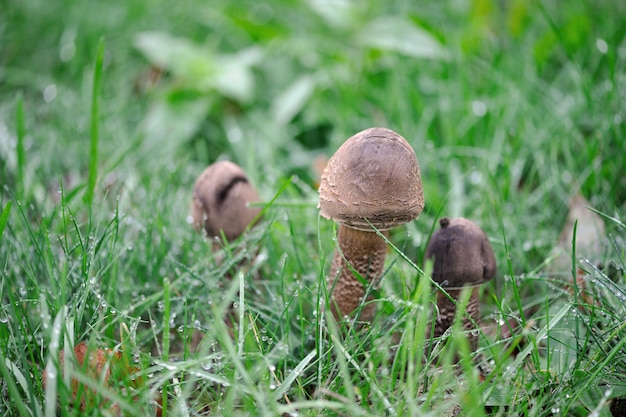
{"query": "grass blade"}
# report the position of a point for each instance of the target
(542, 334)
(52, 368)
(166, 337)
(297, 371)
(5, 368)
(94, 130)
(20, 150)
(4, 217)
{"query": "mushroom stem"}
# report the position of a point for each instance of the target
(447, 313)
(361, 251)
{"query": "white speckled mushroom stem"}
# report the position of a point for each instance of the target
(365, 252)
(447, 312)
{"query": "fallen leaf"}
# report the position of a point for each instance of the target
(589, 244)
(104, 365)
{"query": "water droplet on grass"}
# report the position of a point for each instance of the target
(49, 93)
(479, 108)
(51, 373)
(602, 46)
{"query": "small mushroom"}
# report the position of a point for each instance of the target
(372, 180)
(221, 198)
(462, 258)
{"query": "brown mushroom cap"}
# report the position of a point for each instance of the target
(374, 175)
(462, 254)
(221, 198)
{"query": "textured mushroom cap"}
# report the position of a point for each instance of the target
(374, 175)
(221, 196)
(462, 254)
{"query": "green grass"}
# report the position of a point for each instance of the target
(512, 108)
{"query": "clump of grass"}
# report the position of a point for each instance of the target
(514, 113)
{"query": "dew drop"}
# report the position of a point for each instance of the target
(479, 108)
(51, 373)
(602, 46)
(50, 93)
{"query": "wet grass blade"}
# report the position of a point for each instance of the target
(94, 130)
(19, 149)
(4, 217)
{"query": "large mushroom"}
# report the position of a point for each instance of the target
(462, 258)
(371, 182)
(221, 198)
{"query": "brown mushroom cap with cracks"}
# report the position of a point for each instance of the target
(374, 175)
(462, 257)
(221, 198)
(372, 180)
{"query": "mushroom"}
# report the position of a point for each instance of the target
(221, 198)
(372, 181)
(462, 258)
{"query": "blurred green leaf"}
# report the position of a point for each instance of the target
(171, 121)
(336, 13)
(397, 34)
(234, 78)
(182, 57)
(199, 69)
(518, 16)
(293, 99)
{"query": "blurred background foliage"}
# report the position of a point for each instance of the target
(511, 106)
